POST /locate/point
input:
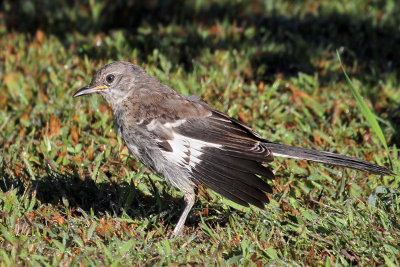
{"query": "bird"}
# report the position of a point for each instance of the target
(189, 143)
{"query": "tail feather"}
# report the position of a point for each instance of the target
(280, 150)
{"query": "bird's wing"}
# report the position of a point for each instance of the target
(219, 151)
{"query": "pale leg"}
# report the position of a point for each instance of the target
(189, 200)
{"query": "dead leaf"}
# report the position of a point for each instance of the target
(242, 117)
(104, 108)
(22, 132)
(40, 36)
(54, 125)
(11, 80)
(317, 139)
(25, 116)
(74, 136)
(59, 218)
(43, 96)
(261, 86)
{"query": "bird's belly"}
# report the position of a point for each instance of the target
(143, 147)
(153, 158)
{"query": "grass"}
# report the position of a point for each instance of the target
(367, 113)
(71, 193)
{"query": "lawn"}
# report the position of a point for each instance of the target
(71, 194)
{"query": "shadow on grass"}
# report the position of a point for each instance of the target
(394, 118)
(68, 189)
(172, 27)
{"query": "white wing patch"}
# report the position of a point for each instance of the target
(186, 151)
(175, 124)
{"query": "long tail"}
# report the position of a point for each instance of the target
(326, 157)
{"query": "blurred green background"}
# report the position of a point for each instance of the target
(71, 194)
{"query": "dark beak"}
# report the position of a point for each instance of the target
(89, 90)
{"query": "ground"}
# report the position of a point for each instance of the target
(71, 193)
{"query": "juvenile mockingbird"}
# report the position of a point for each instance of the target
(184, 140)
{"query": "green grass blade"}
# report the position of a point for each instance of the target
(366, 111)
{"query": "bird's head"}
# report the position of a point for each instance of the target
(115, 81)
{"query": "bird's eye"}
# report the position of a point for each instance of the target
(110, 78)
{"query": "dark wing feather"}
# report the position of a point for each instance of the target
(236, 172)
(219, 128)
(203, 177)
(224, 158)
(231, 189)
(233, 168)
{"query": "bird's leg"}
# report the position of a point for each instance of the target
(189, 200)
